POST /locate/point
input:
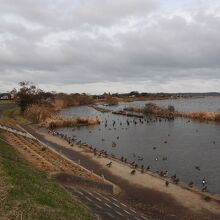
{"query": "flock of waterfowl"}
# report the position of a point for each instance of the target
(116, 124)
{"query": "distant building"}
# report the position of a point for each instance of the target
(5, 96)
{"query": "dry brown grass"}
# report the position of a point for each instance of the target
(46, 116)
(111, 100)
(170, 112)
(11, 123)
(64, 101)
(151, 108)
(46, 159)
(58, 122)
(201, 116)
(39, 113)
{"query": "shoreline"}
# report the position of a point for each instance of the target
(180, 195)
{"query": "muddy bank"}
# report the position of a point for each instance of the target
(143, 192)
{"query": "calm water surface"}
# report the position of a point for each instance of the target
(189, 144)
(209, 104)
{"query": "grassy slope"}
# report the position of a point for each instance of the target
(26, 193)
(10, 109)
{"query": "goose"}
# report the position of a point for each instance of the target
(109, 164)
(197, 168)
(133, 172)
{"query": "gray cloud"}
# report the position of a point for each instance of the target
(63, 43)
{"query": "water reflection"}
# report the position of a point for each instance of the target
(177, 146)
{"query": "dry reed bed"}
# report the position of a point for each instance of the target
(201, 116)
(47, 117)
(155, 110)
(171, 113)
(59, 122)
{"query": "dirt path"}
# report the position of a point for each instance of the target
(146, 192)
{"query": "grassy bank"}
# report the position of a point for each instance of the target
(26, 193)
(15, 113)
(3, 102)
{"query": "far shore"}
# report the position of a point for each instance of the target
(191, 199)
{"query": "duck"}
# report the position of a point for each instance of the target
(109, 164)
(133, 172)
(197, 168)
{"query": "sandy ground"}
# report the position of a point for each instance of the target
(191, 199)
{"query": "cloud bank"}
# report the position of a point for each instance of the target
(95, 46)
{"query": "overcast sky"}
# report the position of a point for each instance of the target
(95, 46)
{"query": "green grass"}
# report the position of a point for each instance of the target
(3, 102)
(12, 112)
(27, 193)
(15, 113)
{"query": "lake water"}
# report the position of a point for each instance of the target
(189, 144)
(209, 104)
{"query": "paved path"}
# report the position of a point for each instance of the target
(105, 206)
(12, 130)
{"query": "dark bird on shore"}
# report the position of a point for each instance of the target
(109, 164)
(133, 163)
(133, 172)
(173, 177)
(197, 168)
(148, 168)
(167, 183)
(176, 181)
(191, 184)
